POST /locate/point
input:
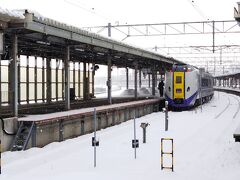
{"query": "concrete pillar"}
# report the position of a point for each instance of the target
(84, 81)
(35, 80)
(14, 76)
(79, 80)
(67, 79)
(56, 78)
(140, 78)
(74, 76)
(27, 80)
(135, 79)
(49, 80)
(109, 79)
(19, 81)
(63, 81)
(127, 78)
(93, 82)
(149, 80)
(0, 86)
(43, 80)
(153, 81)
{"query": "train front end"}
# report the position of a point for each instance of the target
(181, 87)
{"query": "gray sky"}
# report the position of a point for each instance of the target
(99, 12)
(83, 13)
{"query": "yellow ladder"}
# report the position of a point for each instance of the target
(167, 153)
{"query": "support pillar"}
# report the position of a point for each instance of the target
(149, 80)
(84, 81)
(109, 79)
(19, 81)
(66, 77)
(0, 85)
(127, 78)
(153, 81)
(63, 80)
(93, 81)
(43, 80)
(140, 79)
(27, 81)
(79, 80)
(49, 80)
(135, 79)
(14, 78)
(35, 80)
(56, 78)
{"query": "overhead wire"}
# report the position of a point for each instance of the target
(199, 11)
(91, 10)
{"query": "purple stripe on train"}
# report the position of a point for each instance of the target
(186, 102)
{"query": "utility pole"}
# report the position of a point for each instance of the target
(109, 30)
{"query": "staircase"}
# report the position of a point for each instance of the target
(22, 137)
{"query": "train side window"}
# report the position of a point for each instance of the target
(205, 82)
(178, 79)
(188, 89)
(169, 88)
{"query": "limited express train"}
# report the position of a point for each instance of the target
(187, 86)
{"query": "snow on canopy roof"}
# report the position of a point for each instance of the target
(39, 18)
(228, 75)
(8, 15)
(23, 11)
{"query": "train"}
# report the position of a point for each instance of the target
(187, 86)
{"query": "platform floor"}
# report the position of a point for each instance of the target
(57, 106)
(88, 111)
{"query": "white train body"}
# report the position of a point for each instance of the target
(186, 85)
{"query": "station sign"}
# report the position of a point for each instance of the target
(135, 143)
(95, 142)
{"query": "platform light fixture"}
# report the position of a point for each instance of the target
(100, 53)
(43, 42)
(79, 49)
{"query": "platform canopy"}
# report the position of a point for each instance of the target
(44, 37)
(232, 75)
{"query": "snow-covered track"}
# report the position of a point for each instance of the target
(227, 106)
(238, 109)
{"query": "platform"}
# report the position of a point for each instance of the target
(44, 118)
(54, 127)
(235, 91)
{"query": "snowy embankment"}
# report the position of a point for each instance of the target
(204, 149)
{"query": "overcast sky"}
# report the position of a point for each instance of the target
(84, 13)
(99, 12)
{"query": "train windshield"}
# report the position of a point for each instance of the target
(178, 79)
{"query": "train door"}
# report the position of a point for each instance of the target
(178, 88)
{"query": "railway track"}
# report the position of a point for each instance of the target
(238, 109)
(227, 106)
(230, 97)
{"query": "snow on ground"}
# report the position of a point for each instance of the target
(204, 149)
